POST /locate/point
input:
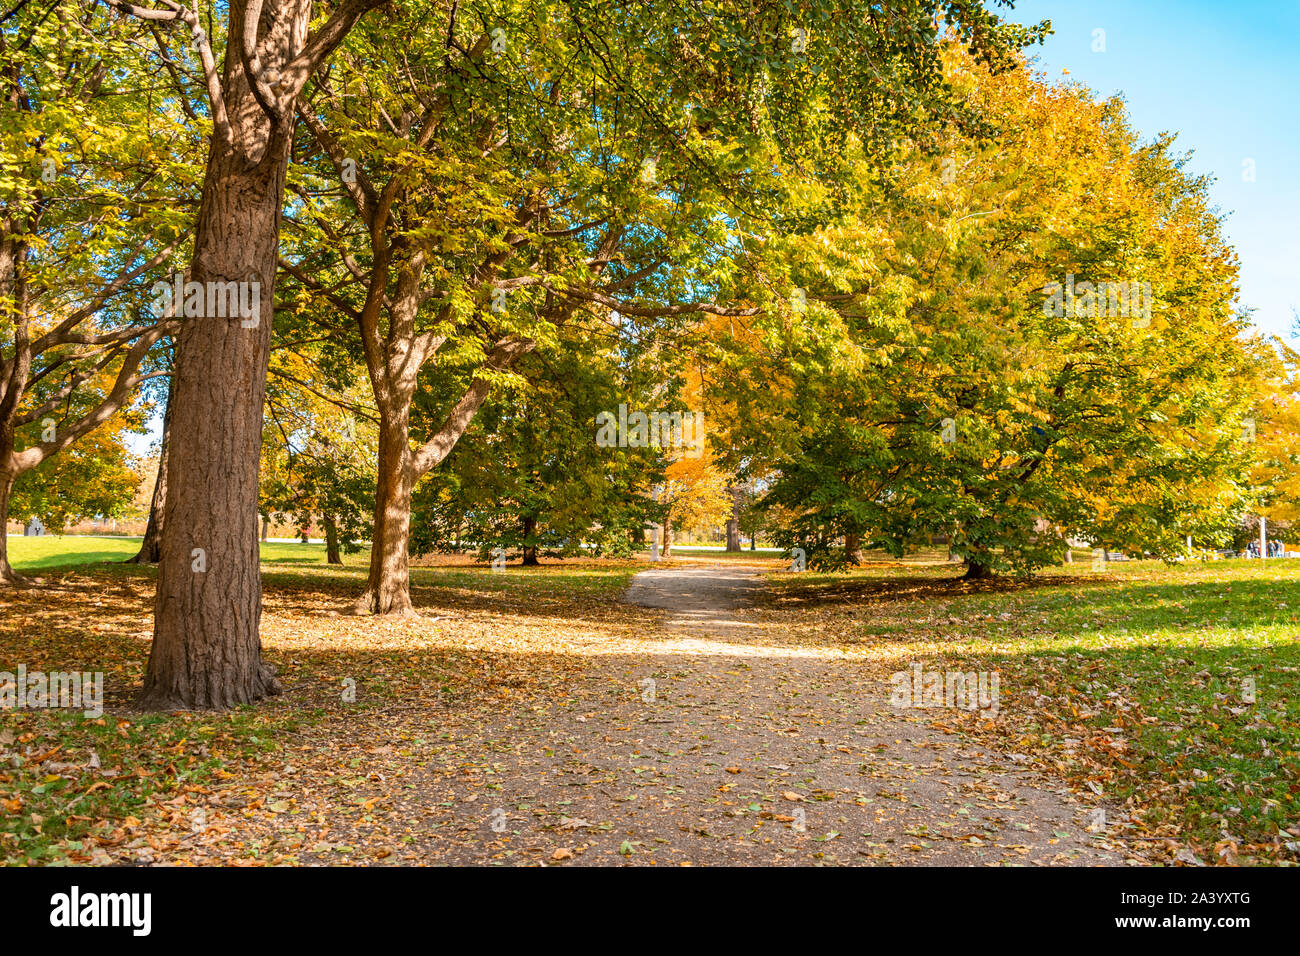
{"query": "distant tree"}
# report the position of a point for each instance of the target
(318, 447)
(926, 383)
(98, 477)
(530, 478)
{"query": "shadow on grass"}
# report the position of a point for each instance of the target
(941, 583)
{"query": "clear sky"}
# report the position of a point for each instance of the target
(1225, 76)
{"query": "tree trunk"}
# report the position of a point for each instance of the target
(388, 589)
(8, 576)
(394, 378)
(530, 550)
(206, 650)
(753, 541)
(266, 529)
(332, 555)
(976, 570)
(667, 537)
(733, 523)
(151, 547)
(636, 535)
(853, 547)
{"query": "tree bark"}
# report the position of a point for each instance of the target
(8, 576)
(530, 550)
(667, 537)
(151, 548)
(332, 555)
(388, 585)
(733, 523)
(976, 570)
(266, 529)
(206, 650)
(853, 547)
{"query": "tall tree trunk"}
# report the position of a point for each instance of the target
(266, 529)
(853, 547)
(667, 536)
(206, 650)
(393, 378)
(388, 588)
(530, 550)
(151, 547)
(332, 555)
(753, 541)
(8, 576)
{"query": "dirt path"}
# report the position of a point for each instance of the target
(716, 746)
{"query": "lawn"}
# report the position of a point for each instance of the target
(39, 553)
(1174, 692)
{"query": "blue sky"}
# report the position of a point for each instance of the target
(1225, 76)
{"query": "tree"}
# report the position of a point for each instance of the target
(95, 478)
(151, 544)
(319, 448)
(206, 652)
(694, 493)
(1272, 433)
(530, 478)
(81, 148)
(529, 164)
(933, 385)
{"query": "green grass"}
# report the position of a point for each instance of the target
(1182, 650)
(56, 551)
(293, 564)
(50, 552)
(55, 818)
(762, 554)
(1135, 682)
